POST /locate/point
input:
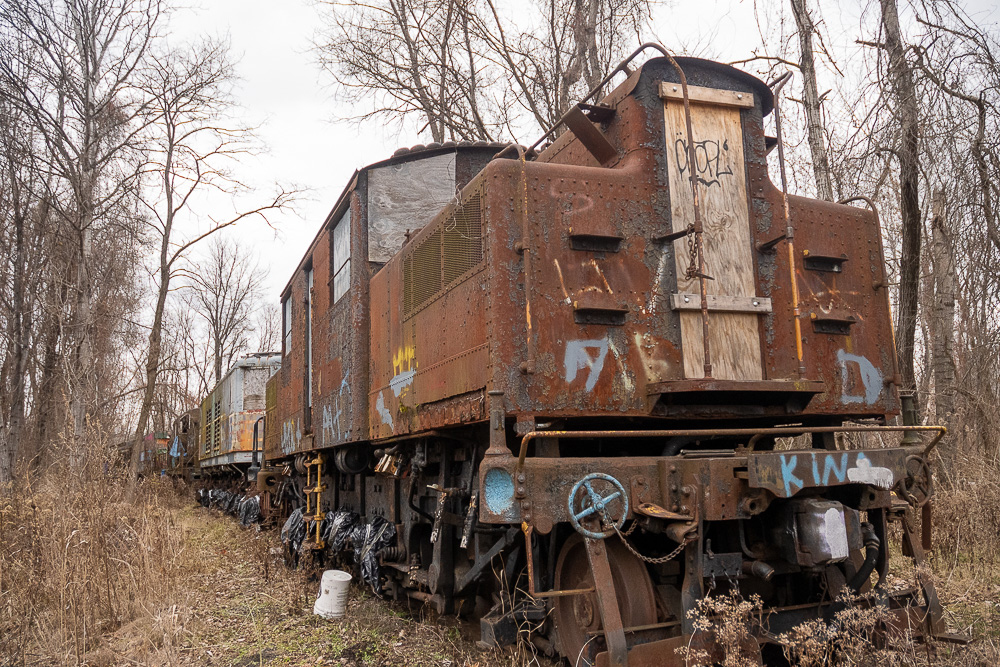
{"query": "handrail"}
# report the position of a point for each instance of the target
(755, 433)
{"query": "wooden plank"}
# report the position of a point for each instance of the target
(721, 303)
(700, 95)
(734, 338)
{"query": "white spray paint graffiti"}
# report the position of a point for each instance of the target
(870, 378)
(578, 358)
(625, 373)
(401, 382)
(383, 411)
(835, 531)
(291, 435)
(335, 412)
(865, 473)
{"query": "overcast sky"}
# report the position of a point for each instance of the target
(284, 92)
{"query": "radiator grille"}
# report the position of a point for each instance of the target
(453, 249)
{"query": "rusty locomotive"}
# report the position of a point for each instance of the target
(576, 389)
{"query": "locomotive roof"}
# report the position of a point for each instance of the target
(399, 156)
(703, 69)
(713, 69)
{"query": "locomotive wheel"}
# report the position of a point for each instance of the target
(578, 617)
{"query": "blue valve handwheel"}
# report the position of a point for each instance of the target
(590, 502)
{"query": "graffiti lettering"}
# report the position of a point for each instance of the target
(788, 474)
(336, 411)
(710, 159)
(795, 474)
(291, 435)
(870, 378)
(404, 367)
(578, 358)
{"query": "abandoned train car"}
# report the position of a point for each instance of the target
(580, 368)
(229, 414)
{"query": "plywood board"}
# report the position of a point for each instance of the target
(734, 338)
(699, 95)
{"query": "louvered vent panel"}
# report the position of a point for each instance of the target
(463, 241)
(427, 269)
(451, 251)
(407, 285)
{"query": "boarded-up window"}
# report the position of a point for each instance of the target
(340, 253)
(403, 197)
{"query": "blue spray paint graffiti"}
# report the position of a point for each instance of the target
(578, 358)
(835, 466)
(333, 413)
(870, 378)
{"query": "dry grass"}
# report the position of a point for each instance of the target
(79, 558)
(91, 575)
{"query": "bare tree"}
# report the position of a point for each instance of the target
(23, 245)
(811, 100)
(88, 120)
(192, 141)
(268, 327)
(225, 290)
(943, 315)
(907, 114)
(468, 70)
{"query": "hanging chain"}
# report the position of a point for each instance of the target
(655, 561)
(692, 245)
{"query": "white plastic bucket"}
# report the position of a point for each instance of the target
(332, 600)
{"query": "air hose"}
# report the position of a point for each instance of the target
(872, 548)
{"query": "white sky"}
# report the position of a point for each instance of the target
(284, 92)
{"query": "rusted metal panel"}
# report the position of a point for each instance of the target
(272, 426)
(291, 424)
(786, 473)
(428, 322)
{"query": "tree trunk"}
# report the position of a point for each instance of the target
(156, 330)
(985, 183)
(81, 386)
(905, 95)
(152, 361)
(942, 346)
(45, 415)
(11, 435)
(811, 103)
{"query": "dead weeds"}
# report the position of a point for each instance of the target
(240, 606)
